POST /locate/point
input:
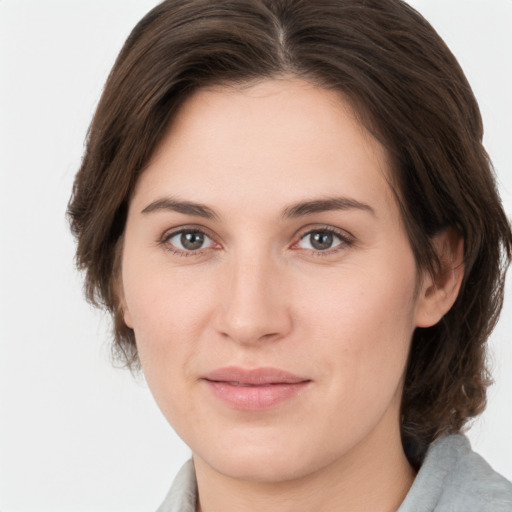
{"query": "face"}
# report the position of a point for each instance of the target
(269, 281)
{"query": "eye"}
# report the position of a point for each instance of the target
(322, 240)
(188, 240)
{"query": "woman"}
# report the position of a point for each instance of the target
(287, 209)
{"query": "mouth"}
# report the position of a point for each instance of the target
(254, 389)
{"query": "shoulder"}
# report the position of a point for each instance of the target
(471, 481)
(454, 478)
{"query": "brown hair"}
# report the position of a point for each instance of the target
(410, 92)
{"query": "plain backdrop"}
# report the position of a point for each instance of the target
(75, 433)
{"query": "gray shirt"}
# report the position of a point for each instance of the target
(453, 478)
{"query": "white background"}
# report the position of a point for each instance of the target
(76, 434)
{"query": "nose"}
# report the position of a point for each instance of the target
(253, 304)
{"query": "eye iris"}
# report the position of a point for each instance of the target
(321, 240)
(192, 241)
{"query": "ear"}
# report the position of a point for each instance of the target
(121, 311)
(116, 285)
(125, 312)
(438, 292)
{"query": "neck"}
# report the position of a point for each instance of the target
(375, 476)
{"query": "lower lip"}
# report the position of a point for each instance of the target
(255, 398)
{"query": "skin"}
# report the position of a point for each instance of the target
(258, 293)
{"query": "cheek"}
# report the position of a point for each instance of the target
(364, 319)
(169, 314)
(169, 309)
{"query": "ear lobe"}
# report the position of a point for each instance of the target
(438, 292)
(116, 285)
(126, 313)
(122, 309)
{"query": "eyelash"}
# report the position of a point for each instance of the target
(346, 241)
(345, 238)
(174, 250)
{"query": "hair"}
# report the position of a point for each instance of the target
(408, 90)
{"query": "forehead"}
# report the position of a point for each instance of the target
(272, 142)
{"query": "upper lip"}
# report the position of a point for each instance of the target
(253, 376)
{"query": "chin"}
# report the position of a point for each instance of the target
(260, 469)
(264, 460)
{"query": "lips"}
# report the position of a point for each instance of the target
(254, 389)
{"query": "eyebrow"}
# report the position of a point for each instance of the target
(299, 209)
(323, 205)
(185, 207)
